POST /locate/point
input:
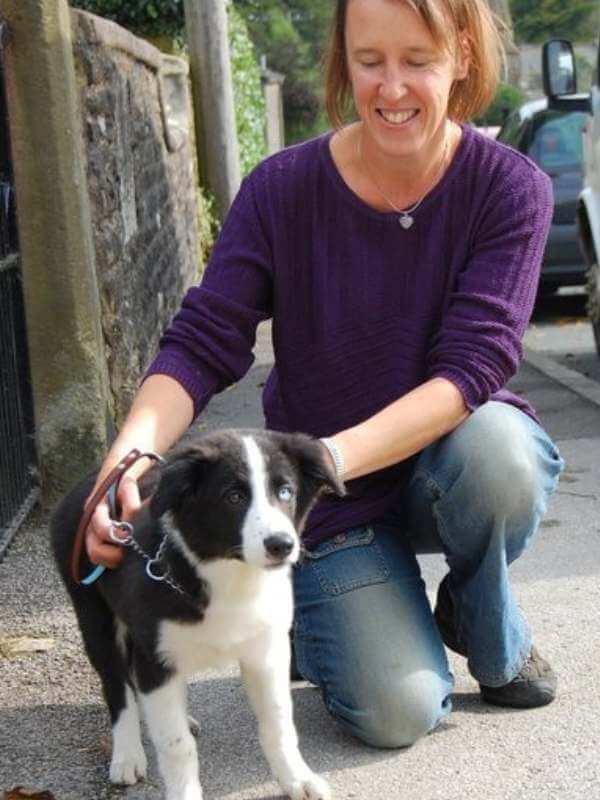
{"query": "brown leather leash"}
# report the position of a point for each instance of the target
(113, 479)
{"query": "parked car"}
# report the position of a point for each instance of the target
(560, 87)
(553, 139)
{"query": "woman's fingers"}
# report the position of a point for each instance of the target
(101, 549)
(129, 497)
(100, 544)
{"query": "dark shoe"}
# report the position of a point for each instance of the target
(534, 686)
(444, 617)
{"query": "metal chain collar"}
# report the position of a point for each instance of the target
(129, 541)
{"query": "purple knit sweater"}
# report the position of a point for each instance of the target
(363, 310)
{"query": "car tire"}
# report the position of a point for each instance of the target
(593, 301)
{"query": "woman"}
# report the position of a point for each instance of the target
(398, 258)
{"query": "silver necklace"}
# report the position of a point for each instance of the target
(405, 219)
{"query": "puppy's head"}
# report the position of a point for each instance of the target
(244, 495)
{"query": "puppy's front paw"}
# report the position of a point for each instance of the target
(310, 787)
(128, 767)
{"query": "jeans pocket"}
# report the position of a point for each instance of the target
(349, 561)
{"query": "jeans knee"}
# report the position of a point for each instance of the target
(395, 717)
(495, 467)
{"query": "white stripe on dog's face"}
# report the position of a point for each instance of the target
(263, 518)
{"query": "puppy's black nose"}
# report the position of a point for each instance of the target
(279, 545)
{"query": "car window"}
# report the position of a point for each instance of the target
(556, 143)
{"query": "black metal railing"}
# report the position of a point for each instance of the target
(18, 484)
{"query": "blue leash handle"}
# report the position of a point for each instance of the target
(111, 496)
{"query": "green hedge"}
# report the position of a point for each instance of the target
(160, 18)
(144, 17)
(249, 100)
(508, 97)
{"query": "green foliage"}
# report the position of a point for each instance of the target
(292, 35)
(585, 73)
(208, 224)
(144, 17)
(248, 96)
(537, 20)
(507, 98)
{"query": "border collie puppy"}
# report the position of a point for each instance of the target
(224, 516)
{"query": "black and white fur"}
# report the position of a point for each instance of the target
(231, 505)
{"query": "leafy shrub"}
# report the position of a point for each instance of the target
(144, 17)
(507, 98)
(208, 225)
(249, 101)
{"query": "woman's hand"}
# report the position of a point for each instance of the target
(101, 548)
(161, 412)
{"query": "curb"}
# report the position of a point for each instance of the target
(572, 380)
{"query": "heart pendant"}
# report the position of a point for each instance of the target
(406, 221)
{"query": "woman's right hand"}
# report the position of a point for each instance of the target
(161, 412)
(101, 548)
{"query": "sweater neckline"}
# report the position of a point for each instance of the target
(351, 196)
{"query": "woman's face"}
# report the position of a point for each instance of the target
(400, 80)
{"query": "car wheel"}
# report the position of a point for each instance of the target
(593, 302)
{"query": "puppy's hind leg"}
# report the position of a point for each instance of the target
(265, 672)
(166, 716)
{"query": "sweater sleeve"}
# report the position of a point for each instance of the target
(478, 343)
(208, 345)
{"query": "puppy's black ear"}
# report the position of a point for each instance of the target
(314, 463)
(182, 475)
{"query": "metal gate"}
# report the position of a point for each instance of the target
(18, 485)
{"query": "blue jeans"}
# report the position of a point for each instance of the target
(363, 627)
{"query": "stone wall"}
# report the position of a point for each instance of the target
(136, 123)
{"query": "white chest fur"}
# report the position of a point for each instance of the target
(246, 604)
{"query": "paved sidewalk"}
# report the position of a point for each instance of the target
(54, 731)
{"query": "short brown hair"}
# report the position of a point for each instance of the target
(473, 25)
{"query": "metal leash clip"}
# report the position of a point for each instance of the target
(118, 525)
(126, 540)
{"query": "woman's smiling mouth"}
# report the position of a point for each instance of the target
(398, 117)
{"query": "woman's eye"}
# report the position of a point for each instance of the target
(285, 493)
(418, 63)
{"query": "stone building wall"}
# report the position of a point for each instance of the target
(137, 129)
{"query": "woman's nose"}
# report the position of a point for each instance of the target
(393, 86)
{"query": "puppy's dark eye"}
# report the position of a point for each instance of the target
(234, 497)
(285, 493)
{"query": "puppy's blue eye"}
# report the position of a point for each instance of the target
(235, 498)
(285, 493)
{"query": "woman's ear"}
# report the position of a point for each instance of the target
(462, 58)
